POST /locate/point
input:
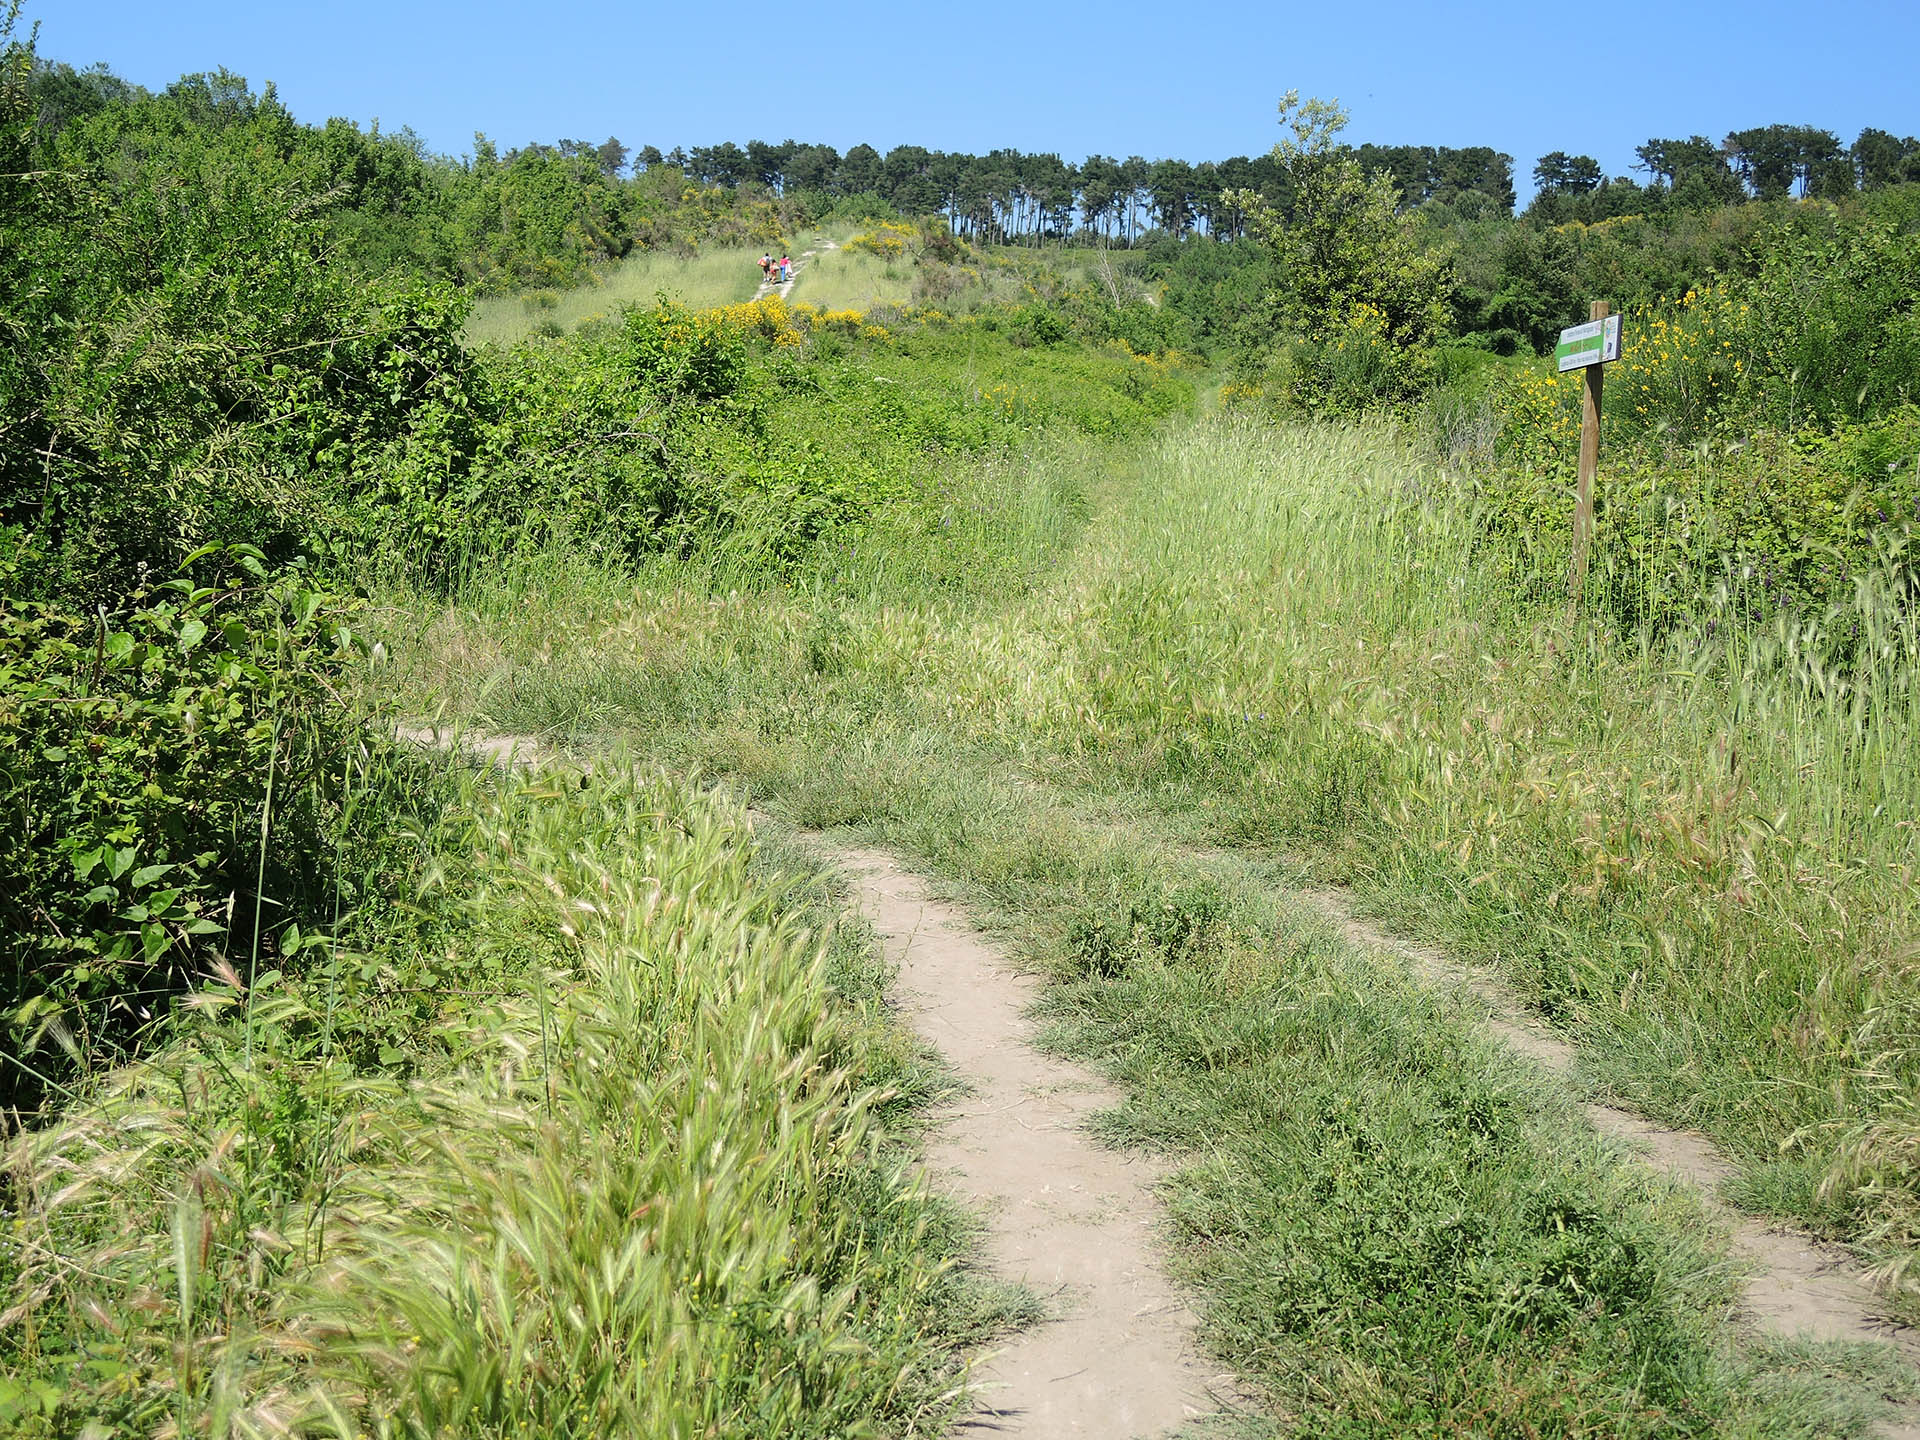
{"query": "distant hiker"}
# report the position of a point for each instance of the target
(786, 269)
(766, 266)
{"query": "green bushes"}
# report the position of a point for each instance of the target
(1795, 524)
(1835, 317)
(1761, 445)
(171, 792)
(191, 367)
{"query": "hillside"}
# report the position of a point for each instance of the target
(1030, 830)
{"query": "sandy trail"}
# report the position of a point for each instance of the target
(1073, 1220)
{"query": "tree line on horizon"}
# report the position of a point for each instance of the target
(1011, 196)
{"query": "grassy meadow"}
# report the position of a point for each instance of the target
(350, 1087)
(724, 275)
(842, 279)
(1128, 696)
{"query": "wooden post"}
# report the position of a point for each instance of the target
(1589, 463)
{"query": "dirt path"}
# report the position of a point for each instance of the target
(1797, 1283)
(1073, 1220)
(785, 288)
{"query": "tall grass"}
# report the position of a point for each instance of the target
(629, 1174)
(1696, 854)
(701, 281)
(845, 279)
(1055, 676)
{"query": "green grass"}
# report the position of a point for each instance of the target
(1124, 677)
(609, 1144)
(702, 281)
(843, 279)
(852, 280)
(1055, 678)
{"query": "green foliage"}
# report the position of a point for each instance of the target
(1771, 525)
(170, 764)
(1353, 272)
(191, 367)
(1835, 317)
(196, 372)
(1125, 701)
(1222, 296)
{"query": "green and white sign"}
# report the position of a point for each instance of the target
(1594, 343)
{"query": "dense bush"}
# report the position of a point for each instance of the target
(1776, 523)
(1760, 437)
(215, 422)
(172, 766)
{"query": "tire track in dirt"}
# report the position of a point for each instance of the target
(1797, 1284)
(1075, 1221)
(1072, 1219)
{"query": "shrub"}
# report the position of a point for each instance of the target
(890, 240)
(1774, 523)
(1835, 314)
(166, 764)
(677, 352)
(1353, 366)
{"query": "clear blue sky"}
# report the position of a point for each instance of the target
(1198, 81)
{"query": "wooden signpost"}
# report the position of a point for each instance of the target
(1587, 347)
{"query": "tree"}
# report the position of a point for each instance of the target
(1099, 192)
(1772, 159)
(1170, 182)
(1411, 166)
(1562, 174)
(1764, 158)
(1881, 159)
(812, 167)
(1206, 195)
(1474, 169)
(907, 182)
(860, 171)
(216, 99)
(767, 163)
(722, 164)
(612, 156)
(61, 94)
(1133, 183)
(1693, 171)
(1345, 244)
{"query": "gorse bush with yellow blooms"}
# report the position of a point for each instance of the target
(890, 240)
